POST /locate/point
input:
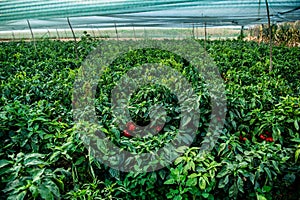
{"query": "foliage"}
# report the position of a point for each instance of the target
(286, 34)
(42, 156)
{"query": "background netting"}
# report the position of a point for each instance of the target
(148, 13)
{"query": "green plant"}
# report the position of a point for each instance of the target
(193, 175)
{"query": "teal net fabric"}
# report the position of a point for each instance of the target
(147, 13)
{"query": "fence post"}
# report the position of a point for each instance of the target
(14, 38)
(270, 36)
(134, 31)
(205, 35)
(31, 33)
(73, 37)
(116, 31)
(57, 34)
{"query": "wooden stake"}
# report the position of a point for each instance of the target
(116, 31)
(31, 33)
(205, 35)
(75, 42)
(270, 36)
(133, 31)
(99, 33)
(49, 33)
(197, 32)
(93, 33)
(66, 34)
(74, 37)
(57, 34)
(14, 38)
(193, 31)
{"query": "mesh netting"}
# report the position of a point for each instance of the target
(147, 13)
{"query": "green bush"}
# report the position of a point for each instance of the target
(43, 157)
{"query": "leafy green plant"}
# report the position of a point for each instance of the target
(43, 157)
(28, 175)
(193, 175)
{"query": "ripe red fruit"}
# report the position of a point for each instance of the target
(158, 128)
(130, 126)
(126, 133)
(262, 137)
(242, 138)
(268, 133)
(270, 139)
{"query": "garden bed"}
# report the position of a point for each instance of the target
(43, 157)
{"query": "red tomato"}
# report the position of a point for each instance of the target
(262, 137)
(158, 128)
(270, 139)
(126, 133)
(268, 133)
(130, 126)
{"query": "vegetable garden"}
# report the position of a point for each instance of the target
(255, 157)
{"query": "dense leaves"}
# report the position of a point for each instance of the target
(42, 156)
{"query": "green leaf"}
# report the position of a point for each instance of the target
(55, 156)
(223, 182)
(297, 155)
(223, 172)
(181, 149)
(205, 195)
(187, 138)
(243, 164)
(275, 165)
(80, 160)
(19, 196)
(222, 147)
(296, 125)
(38, 175)
(34, 162)
(252, 177)
(233, 191)
(3, 163)
(191, 182)
(53, 188)
(114, 173)
(60, 184)
(193, 175)
(45, 193)
(240, 184)
(186, 120)
(211, 197)
(294, 139)
(202, 183)
(260, 197)
(233, 124)
(34, 191)
(178, 197)
(162, 174)
(191, 165)
(179, 160)
(266, 189)
(267, 170)
(169, 182)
